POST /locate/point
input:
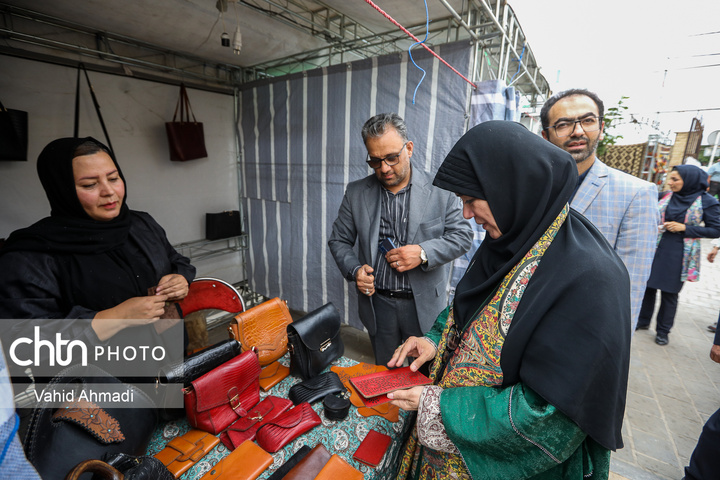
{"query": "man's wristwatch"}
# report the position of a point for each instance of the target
(423, 256)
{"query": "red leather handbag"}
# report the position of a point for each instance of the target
(288, 426)
(224, 394)
(246, 427)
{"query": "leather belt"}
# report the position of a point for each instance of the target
(394, 293)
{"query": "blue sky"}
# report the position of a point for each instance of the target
(664, 55)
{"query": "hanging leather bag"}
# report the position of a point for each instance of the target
(186, 138)
(314, 342)
(76, 129)
(13, 134)
(226, 393)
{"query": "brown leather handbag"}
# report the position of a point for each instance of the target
(264, 328)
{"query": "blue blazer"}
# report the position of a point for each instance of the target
(624, 209)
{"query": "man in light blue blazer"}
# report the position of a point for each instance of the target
(407, 232)
(621, 206)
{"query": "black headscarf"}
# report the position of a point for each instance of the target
(694, 185)
(81, 244)
(569, 339)
(69, 229)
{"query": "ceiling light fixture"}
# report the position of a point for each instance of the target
(237, 41)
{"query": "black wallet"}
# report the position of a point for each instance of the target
(291, 462)
(316, 388)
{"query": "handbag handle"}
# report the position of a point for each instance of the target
(81, 66)
(184, 105)
(99, 467)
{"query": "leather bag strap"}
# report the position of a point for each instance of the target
(98, 467)
(95, 103)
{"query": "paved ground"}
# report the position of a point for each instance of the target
(672, 389)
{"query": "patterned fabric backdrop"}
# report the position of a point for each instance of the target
(627, 158)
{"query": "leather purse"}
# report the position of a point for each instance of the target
(316, 388)
(311, 465)
(138, 468)
(386, 410)
(263, 327)
(13, 134)
(169, 398)
(217, 399)
(247, 462)
(222, 225)
(246, 427)
(283, 469)
(372, 449)
(314, 341)
(273, 374)
(183, 452)
(336, 408)
(57, 440)
(286, 427)
(186, 138)
(336, 468)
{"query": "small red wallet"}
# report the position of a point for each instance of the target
(379, 383)
(372, 449)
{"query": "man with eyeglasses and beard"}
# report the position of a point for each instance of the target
(407, 231)
(621, 206)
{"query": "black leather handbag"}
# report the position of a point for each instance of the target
(58, 439)
(316, 388)
(314, 341)
(181, 374)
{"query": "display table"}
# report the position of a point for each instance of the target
(340, 437)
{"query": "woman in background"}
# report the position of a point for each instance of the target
(677, 258)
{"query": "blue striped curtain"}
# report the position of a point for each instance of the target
(301, 144)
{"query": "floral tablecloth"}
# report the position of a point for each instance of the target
(340, 437)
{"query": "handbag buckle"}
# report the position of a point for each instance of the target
(326, 344)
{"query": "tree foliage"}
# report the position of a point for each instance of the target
(613, 117)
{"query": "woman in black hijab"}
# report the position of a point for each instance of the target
(91, 263)
(531, 361)
(677, 258)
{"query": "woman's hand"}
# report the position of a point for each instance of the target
(174, 286)
(712, 254)
(407, 399)
(418, 347)
(132, 312)
(674, 227)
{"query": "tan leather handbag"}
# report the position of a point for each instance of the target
(263, 327)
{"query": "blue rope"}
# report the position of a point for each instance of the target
(427, 30)
(10, 439)
(519, 60)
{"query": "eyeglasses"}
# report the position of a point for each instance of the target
(566, 128)
(390, 160)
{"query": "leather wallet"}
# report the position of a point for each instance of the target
(374, 386)
(247, 462)
(183, 452)
(311, 465)
(336, 468)
(386, 410)
(246, 427)
(372, 449)
(290, 463)
(316, 388)
(272, 375)
(286, 427)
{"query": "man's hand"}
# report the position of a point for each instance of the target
(404, 258)
(364, 280)
(715, 353)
